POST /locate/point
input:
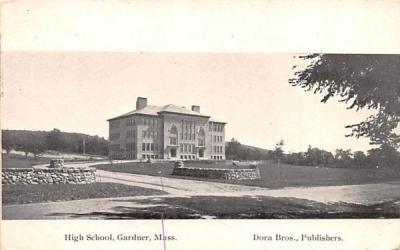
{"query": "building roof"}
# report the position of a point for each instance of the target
(156, 110)
(216, 121)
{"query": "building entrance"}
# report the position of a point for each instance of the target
(173, 152)
(201, 153)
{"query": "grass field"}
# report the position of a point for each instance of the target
(22, 194)
(19, 161)
(272, 175)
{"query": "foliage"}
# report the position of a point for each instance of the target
(361, 81)
(384, 156)
(234, 150)
(36, 142)
(277, 153)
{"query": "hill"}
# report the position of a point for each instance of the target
(38, 141)
(234, 150)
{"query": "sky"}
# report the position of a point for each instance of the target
(79, 91)
(73, 64)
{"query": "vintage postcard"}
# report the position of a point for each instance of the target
(200, 125)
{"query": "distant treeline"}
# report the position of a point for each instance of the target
(384, 156)
(36, 142)
(234, 150)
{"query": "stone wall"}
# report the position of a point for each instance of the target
(214, 173)
(48, 176)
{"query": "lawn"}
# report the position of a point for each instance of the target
(272, 175)
(22, 194)
(19, 161)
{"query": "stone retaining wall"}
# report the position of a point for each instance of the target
(48, 176)
(215, 173)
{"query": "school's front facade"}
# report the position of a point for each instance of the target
(166, 132)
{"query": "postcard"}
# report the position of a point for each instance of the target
(200, 125)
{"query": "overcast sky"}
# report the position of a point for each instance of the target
(235, 78)
(77, 92)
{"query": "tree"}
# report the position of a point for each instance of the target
(277, 154)
(361, 81)
(384, 156)
(7, 142)
(318, 157)
(233, 149)
(343, 158)
(360, 159)
(55, 140)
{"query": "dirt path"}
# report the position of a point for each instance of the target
(365, 194)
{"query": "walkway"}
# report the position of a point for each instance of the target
(365, 194)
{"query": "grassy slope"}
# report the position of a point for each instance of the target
(22, 194)
(273, 176)
(19, 161)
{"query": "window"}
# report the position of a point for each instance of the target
(173, 138)
(114, 136)
(143, 146)
(148, 146)
(130, 121)
(201, 137)
(172, 141)
(114, 147)
(143, 156)
(130, 146)
(130, 133)
(182, 130)
(152, 146)
(114, 124)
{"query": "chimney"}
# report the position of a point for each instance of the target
(141, 102)
(196, 108)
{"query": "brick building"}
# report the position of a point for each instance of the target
(166, 132)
